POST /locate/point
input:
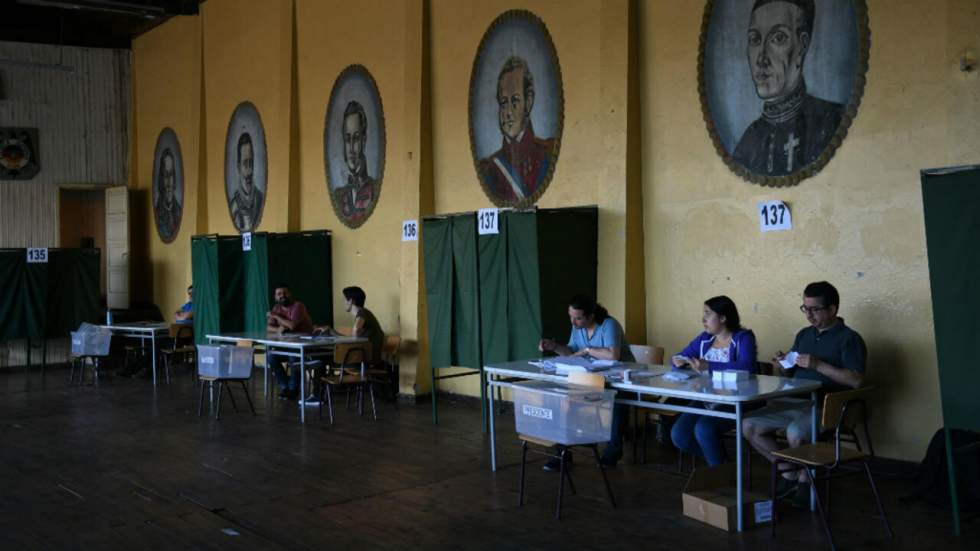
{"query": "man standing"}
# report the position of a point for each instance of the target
(246, 204)
(795, 127)
(167, 208)
(516, 170)
(827, 351)
(357, 195)
(287, 315)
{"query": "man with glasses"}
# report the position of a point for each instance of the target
(827, 351)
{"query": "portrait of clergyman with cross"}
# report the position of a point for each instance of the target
(775, 123)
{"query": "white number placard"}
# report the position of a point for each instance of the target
(487, 221)
(247, 241)
(38, 255)
(410, 230)
(774, 216)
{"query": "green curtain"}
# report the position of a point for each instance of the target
(951, 205)
(204, 273)
(231, 284)
(73, 289)
(256, 283)
(466, 293)
(302, 260)
(523, 286)
(437, 256)
(23, 296)
(568, 263)
(494, 318)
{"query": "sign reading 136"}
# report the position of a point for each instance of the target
(410, 230)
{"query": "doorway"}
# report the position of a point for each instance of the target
(82, 223)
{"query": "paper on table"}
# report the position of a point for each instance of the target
(676, 376)
(789, 360)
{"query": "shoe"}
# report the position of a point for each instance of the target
(311, 401)
(286, 394)
(554, 464)
(785, 487)
(801, 499)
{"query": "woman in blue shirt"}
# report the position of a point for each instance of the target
(724, 344)
(595, 334)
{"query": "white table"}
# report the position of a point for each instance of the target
(700, 389)
(143, 330)
(290, 346)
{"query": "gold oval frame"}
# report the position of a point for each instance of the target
(379, 180)
(847, 117)
(501, 19)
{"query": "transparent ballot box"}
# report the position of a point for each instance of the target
(565, 414)
(224, 361)
(90, 342)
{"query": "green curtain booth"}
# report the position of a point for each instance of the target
(951, 206)
(49, 299)
(491, 298)
(233, 288)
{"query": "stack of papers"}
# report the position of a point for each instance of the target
(789, 360)
(569, 364)
(677, 376)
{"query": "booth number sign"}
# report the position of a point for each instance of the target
(37, 255)
(774, 216)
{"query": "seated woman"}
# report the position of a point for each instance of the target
(596, 335)
(724, 344)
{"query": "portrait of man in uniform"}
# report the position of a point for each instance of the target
(357, 195)
(246, 168)
(168, 185)
(354, 146)
(516, 110)
(516, 170)
(246, 204)
(805, 61)
(167, 207)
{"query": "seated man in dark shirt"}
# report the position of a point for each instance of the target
(829, 352)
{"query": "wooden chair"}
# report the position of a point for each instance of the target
(842, 411)
(182, 340)
(208, 382)
(561, 451)
(649, 355)
(351, 374)
(385, 369)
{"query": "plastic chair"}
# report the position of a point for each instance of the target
(352, 375)
(843, 411)
(561, 451)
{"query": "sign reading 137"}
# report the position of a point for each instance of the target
(488, 221)
(774, 216)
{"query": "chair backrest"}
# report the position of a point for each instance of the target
(391, 347)
(594, 380)
(345, 330)
(650, 355)
(845, 409)
(244, 343)
(352, 353)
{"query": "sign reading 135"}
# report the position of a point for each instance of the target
(37, 255)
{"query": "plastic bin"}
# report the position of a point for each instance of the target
(565, 414)
(90, 343)
(224, 361)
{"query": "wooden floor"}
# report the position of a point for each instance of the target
(123, 466)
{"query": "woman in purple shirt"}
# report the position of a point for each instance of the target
(724, 344)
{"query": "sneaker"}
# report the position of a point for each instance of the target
(311, 401)
(801, 499)
(554, 464)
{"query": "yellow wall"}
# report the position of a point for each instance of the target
(676, 226)
(857, 224)
(167, 88)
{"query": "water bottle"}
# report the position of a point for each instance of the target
(108, 316)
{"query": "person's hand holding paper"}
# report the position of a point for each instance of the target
(789, 360)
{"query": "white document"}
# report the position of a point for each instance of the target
(789, 361)
(676, 376)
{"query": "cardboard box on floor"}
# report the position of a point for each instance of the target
(710, 496)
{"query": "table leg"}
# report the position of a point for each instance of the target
(153, 351)
(493, 434)
(738, 464)
(302, 386)
(813, 440)
(265, 376)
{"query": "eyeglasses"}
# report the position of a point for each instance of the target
(811, 309)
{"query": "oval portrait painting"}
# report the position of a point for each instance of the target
(168, 185)
(354, 145)
(516, 109)
(780, 82)
(246, 167)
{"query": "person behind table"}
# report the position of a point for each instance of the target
(829, 352)
(365, 324)
(287, 315)
(185, 314)
(596, 335)
(724, 344)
